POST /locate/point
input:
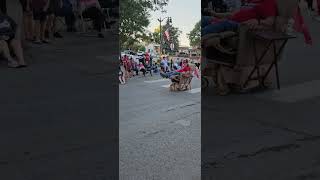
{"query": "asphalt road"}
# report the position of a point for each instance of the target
(58, 116)
(159, 130)
(271, 134)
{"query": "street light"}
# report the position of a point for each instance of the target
(160, 21)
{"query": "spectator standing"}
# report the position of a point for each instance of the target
(40, 8)
(27, 19)
(69, 11)
(92, 9)
(310, 5)
(53, 11)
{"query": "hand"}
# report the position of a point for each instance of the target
(252, 23)
(268, 22)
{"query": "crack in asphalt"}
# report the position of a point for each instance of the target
(286, 129)
(181, 106)
(263, 150)
(309, 138)
(279, 148)
(154, 133)
(188, 115)
(47, 156)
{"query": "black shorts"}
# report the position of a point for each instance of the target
(39, 15)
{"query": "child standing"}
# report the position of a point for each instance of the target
(122, 70)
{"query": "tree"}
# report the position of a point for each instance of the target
(195, 35)
(134, 18)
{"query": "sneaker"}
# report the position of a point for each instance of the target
(163, 75)
(37, 42)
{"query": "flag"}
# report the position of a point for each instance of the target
(167, 34)
(300, 26)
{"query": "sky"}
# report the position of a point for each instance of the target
(184, 13)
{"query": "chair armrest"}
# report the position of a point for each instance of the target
(221, 35)
(228, 34)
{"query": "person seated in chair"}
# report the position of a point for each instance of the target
(185, 68)
(8, 30)
(260, 14)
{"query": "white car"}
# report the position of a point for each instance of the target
(131, 54)
(140, 53)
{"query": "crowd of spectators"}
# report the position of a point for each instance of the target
(36, 21)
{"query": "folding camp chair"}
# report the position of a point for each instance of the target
(272, 38)
(256, 52)
(181, 82)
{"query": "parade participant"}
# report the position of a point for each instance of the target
(260, 14)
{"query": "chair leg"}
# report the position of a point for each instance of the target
(277, 75)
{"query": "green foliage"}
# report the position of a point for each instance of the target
(195, 35)
(134, 18)
(142, 48)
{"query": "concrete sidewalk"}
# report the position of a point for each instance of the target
(59, 114)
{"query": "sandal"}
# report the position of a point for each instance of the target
(13, 64)
(46, 41)
(36, 42)
(22, 66)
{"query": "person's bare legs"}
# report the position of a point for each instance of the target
(50, 25)
(18, 51)
(4, 50)
(43, 30)
(37, 31)
(28, 24)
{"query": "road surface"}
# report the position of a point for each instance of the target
(272, 134)
(159, 130)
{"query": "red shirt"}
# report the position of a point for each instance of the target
(263, 10)
(184, 69)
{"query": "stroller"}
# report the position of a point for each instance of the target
(255, 58)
